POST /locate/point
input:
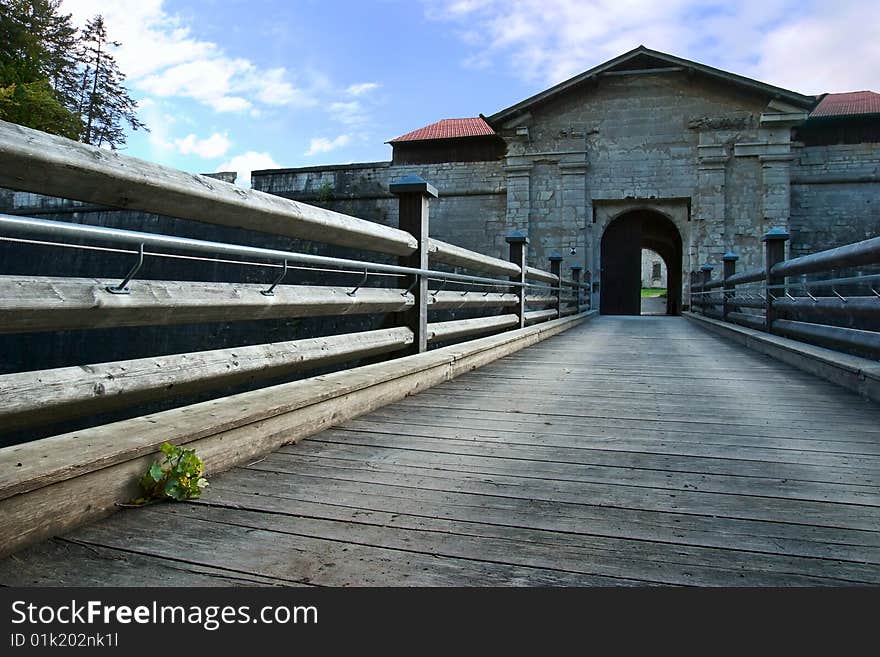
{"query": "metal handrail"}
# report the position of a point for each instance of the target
(61, 229)
(865, 252)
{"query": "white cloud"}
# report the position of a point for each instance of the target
(836, 48)
(214, 146)
(324, 145)
(805, 45)
(351, 113)
(245, 163)
(361, 89)
(207, 80)
(161, 57)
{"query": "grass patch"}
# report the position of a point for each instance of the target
(653, 292)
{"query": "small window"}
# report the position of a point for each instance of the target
(655, 272)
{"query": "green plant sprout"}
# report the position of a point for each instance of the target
(177, 475)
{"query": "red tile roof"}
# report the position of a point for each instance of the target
(851, 103)
(448, 129)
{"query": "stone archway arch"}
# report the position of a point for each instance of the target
(620, 260)
(675, 213)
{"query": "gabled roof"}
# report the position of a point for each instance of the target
(641, 59)
(852, 103)
(448, 129)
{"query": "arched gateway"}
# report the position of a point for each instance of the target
(620, 261)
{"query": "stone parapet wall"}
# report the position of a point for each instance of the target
(835, 196)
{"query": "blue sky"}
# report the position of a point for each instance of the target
(241, 85)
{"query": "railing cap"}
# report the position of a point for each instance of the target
(707, 267)
(555, 257)
(412, 184)
(730, 256)
(775, 234)
(577, 268)
(516, 237)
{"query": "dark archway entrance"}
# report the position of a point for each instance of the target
(622, 244)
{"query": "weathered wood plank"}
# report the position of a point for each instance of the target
(47, 396)
(824, 514)
(444, 300)
(571, 551)
(37, 162)
(361, 450)
(42, 303)
(576, 444)
(643, 439)
(536, 274)
(618, 559)
(63, 562)
(461, 328)
(566, 517)
(535, 316)
(450, 254)
(638, 408)
(288, 556)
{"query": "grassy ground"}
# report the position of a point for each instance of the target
(653, 291)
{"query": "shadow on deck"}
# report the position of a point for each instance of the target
(677, 458)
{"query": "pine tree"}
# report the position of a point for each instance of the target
(37, 67)
(59, 39)
(103, 101)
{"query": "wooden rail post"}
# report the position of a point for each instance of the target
(556, 270)
(705, 277)
(588, 281)
(518, 244)
(576, 277)
(774, 252)
(414, 194)
(729, 291)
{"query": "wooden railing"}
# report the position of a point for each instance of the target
(804, 298)
(33, 304)
(57, 482)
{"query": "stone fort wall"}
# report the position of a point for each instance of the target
(835, 196)
(705, 155)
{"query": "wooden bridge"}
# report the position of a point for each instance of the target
(558, 448)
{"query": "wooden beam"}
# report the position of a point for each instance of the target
(473, 299)
(541, 275)
(39, 303)
(535, 316)
(47, 396)
(450, 254)
(414, 195)
(459, 328)
(37, 162)
(541, 300)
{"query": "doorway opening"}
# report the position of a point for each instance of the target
(653, 282)
(623, 243)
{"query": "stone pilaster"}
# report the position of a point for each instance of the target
(518, 197)
(710, 213)
(776, 196)
(574, 209)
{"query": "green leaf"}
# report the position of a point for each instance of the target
(177, 476)
(156, 472)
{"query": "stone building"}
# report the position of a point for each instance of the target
(653, 269)
(647, 150)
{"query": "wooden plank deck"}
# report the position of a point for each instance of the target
(627, 451)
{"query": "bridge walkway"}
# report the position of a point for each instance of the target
(626, 451)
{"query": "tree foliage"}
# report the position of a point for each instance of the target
(60, 80)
